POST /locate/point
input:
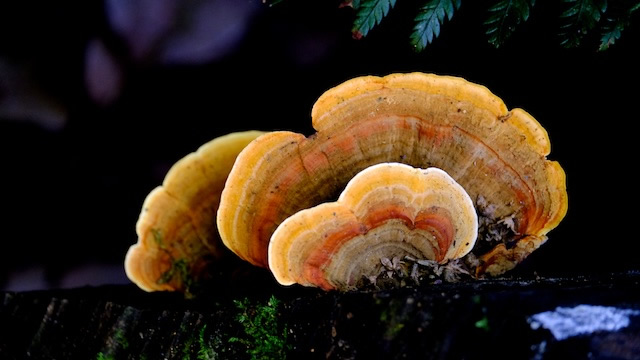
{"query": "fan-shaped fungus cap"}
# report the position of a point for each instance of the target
(177, 234)
(497, 155)
(387, 211)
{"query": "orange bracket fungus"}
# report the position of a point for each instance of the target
(177, 235)
(387, 211)
(497, 155)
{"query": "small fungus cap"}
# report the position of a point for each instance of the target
(177, 234)
(389, 210)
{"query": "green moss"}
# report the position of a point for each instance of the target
(118, 340)
(263, 336)
(179, 269)
(393, 330)
(102, 356)
(186, 349)
(483, 324)
(121, 339)
(157, 237)
(393, 318)
(205, 351)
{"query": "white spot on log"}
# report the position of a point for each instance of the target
(566, 322)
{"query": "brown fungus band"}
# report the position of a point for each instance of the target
(387, 211)
(498, 156)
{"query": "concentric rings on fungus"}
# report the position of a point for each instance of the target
(177, 233)
(389, 210)
(498, 156)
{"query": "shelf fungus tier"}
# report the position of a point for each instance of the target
(177, 233)
(497, 155)
(387, 211)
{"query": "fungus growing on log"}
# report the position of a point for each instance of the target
(177, 234)
(498, 156)
(389, 210)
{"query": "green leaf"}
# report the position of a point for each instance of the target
(613, 26)
(580, 17)
(430, 18)
(504, 17)
(369, 14)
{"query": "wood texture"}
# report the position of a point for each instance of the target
(470, 320)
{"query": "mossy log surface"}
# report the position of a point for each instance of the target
(471, 320)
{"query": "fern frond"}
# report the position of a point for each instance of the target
(581, 16)
(369, 14)
(614, 25)
(504, 17)
(430, 18)
(611, 32)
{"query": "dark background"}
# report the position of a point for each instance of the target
(93, 114)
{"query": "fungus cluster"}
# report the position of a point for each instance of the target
(421, 164)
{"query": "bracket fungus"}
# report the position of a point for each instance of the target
(498, 156)
(177, 234)
(389, 210)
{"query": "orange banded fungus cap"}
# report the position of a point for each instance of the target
(497, 155)
(389, 210)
